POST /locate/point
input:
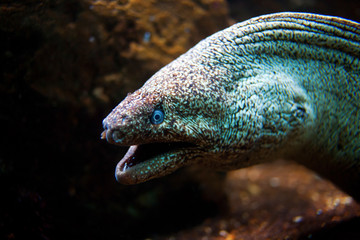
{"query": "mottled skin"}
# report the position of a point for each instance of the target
(277, 86)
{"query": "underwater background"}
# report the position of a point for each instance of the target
(66, 63)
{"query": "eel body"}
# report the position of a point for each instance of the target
(283, 85)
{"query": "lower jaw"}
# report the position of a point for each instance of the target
(142, 153)
(134, 168)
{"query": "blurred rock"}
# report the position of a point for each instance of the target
(281, 200)
(92, 53)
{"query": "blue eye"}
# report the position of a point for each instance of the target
(157, 117)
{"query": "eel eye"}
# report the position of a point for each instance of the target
(157, 117)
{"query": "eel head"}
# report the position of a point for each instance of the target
(168, 123)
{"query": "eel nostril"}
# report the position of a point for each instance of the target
(112, 135)
(103, 135)
(105, 125)
(116, 136)
(108, 135)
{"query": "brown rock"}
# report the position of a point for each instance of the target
(278, 201)
(95, 52)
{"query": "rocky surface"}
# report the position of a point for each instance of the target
(280, 201)
(66, 64)
(94, 52)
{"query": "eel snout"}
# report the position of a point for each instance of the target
(111, 135)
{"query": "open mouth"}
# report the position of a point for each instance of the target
(152, 160)
(146, 161)
(141, 153)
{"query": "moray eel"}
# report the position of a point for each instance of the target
(282, 85)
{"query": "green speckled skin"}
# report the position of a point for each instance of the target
(278, 86)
